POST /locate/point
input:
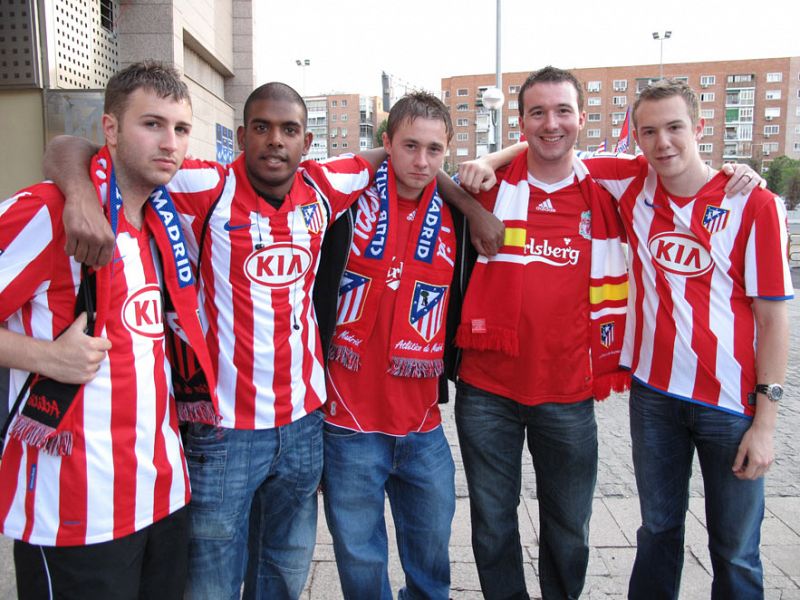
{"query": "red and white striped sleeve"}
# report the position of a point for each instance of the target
(766, 270)
(340, 179)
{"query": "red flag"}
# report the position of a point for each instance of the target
(624, 141)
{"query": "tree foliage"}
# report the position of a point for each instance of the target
(379, 133)
(783, 178)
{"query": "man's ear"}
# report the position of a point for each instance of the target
(110, 129)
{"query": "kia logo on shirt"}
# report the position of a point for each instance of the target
(680, 254)
(142, 314)
(278, 265)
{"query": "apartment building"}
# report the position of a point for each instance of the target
(56, 57)
(342, 123)
(751, 108)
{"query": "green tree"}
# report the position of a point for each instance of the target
(791, 192)
(379, 133)
(783, 178)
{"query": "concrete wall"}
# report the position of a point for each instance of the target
(22, 125)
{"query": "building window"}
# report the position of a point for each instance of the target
(462, 151)
(594, 101)
(462, 92)
(707, 113)
(773, 94)
(772, 129)
(513, 121)
(708, 130)
(593, 86)
(770, 147)
(344, 144)
(620, 85)
(513, 89)
(462, 107)
(743, 78)
(746, 114)
(447, 93)
(334, 103)
(334, 132)
(462, 122)
(797, 129)
(774, 77)
(513, 135)
(106, 15)
(773, 112)
(334, 145)
(344, 103)
(617, 117)
(462, 137)
(592, 133)
(615, 131)
(707, 97)
(619, 100)
(706, 148)
(344, 129)
(594, 117)
(344, 117)
(334, 117)
(707, 80)
(513, 105)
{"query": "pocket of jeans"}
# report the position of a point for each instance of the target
(338, 432)
(206, 476)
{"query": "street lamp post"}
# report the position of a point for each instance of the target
(493, 99)
(303, 63)
(657, 36)
(498, 113)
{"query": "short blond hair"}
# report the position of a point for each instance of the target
(667, 88)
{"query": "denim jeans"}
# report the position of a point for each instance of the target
(665, 432)
(417, 473)
(253, 509)
(562, 439)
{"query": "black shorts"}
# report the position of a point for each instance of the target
(148, 564)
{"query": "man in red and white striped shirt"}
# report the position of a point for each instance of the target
(101, 515)
(706, 340)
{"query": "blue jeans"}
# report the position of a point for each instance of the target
(417, 472)
(562, 439)
(254, 507)
(665, 432)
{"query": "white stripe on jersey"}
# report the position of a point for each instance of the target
(26, 246)
(194, 180)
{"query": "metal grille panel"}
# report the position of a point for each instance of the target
(18, 62)
(86, 43)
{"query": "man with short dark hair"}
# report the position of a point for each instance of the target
(540, 332)
(93, 474)
(390, 264)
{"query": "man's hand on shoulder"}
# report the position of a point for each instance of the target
(89, 236)
(476, 176)
(743, 179)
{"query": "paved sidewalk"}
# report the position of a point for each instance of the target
(615, 518)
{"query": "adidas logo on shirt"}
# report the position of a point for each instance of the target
(546, 206)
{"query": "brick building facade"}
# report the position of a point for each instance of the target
(751, 108)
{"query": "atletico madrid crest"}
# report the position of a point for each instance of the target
(427, 309)
(312, 215)
(715, 218)
(352, 293)
(607, 334)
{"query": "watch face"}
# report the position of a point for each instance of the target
(775, 392)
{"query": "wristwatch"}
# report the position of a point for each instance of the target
(773, 391)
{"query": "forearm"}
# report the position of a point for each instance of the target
(457, 197)
(66, 162)
(21, 352)
(772, 350)
(501, 158)
(374, 157)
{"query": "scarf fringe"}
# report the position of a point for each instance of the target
(345, 356)
(499, 339)
(37, 435)
(416, 367)
(197, 412)
(603, 385)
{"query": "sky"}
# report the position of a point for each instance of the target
(350, 42)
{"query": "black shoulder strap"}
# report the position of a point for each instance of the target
(85, 302)
(202, 241)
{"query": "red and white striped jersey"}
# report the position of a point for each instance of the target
(257, 277)
(126, 469)
(696, 263)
